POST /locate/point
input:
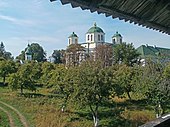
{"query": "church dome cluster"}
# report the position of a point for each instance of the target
(94, 36)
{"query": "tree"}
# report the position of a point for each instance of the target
(127, 78)
(125, 54)
(4, 54)
(105, 54)
(91, 85)
(74, 54)
(38, 53)
(46, 68)
(2, 49)
(26, 77)
(61, 83)
(6, 67)
(58, 55)
(155, 84)
(21, 56)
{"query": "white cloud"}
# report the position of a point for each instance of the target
(17, 21)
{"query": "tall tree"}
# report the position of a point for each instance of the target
(26, 77)
(2, 49)
(92, 84)
(62, 83)
(46, 68)
(127, 78)
(58, 56)
(74, 54)
(6, 67)
(126, 54)
(104, 53)
(38, 53)
(4, 54)
(155, 85)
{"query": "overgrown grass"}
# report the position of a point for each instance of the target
(4, 121)
(43, 110)
(14, 115)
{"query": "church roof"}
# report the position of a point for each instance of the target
(117, 34)
(73, 35)
(95, 29)
(150, 51)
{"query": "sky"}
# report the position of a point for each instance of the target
(50, 23)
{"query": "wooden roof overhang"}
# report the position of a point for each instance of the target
(152, 14)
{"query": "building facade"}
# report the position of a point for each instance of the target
(28, 53)
(94, 37)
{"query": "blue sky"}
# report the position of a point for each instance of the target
(50, 24)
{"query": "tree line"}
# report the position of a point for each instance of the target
(94, 81)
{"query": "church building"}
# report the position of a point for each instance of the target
(95, 36)
(28, 53)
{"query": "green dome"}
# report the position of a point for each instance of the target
(95, 29)
(117, 34)
(28, 50)
(73, 35)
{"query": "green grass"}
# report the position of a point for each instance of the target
(4, 121)
(14, 115)
(42, 110)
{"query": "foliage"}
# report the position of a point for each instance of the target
(62, 83)
(127, 78)
(93, 84)
(59, 56)
(21, 56)
(26, 77)
(126, 54)
(74, 54)
(6, 67)
(4, 54)
(138, 118)
(105, 54)
(156, 86)
(46, 68)
(38, 53)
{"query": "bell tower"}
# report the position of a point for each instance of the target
(72, 39)
(117, 38)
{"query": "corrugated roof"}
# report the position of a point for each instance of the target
(153, 14)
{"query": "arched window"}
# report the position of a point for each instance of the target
(120, 40)
(102, 37)
(69, 41)
(76, 41)
(91, 37)
(114, 41)
(88, 37)
(98, 37)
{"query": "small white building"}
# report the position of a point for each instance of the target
(28, 53)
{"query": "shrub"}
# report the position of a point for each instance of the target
(137, 118)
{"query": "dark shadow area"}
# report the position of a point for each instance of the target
(3, 85)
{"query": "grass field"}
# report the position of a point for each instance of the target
(4, 121)
(42, 110)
